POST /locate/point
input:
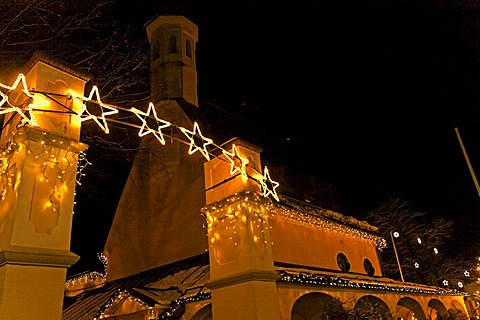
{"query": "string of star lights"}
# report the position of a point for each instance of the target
(444, 282)
(196, 140)
(12, 108)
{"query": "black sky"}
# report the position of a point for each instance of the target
(369, 93)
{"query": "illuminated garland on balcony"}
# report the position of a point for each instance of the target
(196, 140)
(323, 280)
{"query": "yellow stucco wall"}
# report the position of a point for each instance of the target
(301, 244)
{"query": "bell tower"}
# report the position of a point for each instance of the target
(38, 165)
(173, 67)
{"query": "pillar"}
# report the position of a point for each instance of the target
(242, 273)
(38, 168)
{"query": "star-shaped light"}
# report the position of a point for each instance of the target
(417, 265)
(435, 250)
(268, 185)
(20, 80)
(103, 123)
(237, 162)
(467, 274)
(196, 133)
(145, 129)
(419, 241)
(445, 282)
(460, 284)
(396, 234)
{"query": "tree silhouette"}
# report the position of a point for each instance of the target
(421, 246)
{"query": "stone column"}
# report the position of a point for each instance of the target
(38, 168)
(243, 278)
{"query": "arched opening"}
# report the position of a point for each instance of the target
(436, 310)
(408, 308)
(456, 311)
(371, 308)
(318, 306)
(172, 45)
(155, 50)
(188, 48)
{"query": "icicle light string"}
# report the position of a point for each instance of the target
(54, 161)
(196, 141)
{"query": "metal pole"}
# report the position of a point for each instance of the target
(396, 255)
(472, 173)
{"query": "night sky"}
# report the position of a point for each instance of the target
(363, 95)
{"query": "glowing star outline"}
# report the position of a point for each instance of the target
(417, 265)
(467, 274)
(193, 147)
(445, 282)
(113, 110)
(235, 155)
(20, 78)
(265, 188)
(145, 129)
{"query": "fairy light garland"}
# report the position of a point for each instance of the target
(196, 140)
(175, 305)
(323, 280)
(226, 212)
(325, 219)
(85, 278)
(115, 298)
(91, 276)
(54, 157)
(245, 206)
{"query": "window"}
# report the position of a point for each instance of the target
(155, 50)
(172, 45)
(342, 262)
(369, 269)
(188, 48)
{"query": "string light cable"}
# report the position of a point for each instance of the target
(196, 140)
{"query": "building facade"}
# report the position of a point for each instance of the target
(206, 236)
